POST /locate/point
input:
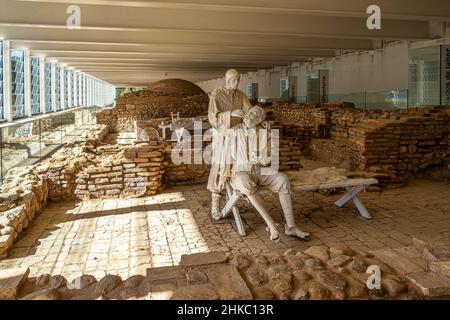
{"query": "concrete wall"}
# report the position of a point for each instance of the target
(380, 70)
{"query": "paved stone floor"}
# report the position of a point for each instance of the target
(127, 236)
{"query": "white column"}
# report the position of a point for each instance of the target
(53, 82)
(42, 84)
(7, 83)
(27, 82)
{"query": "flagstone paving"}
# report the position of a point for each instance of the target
(126, 236)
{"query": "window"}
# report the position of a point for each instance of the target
(18, 98)
(72, 88)
(66, 88)
(48, 87)
(80, 89)
(35, 86)
(58, 87)
(85, 91)
(1, 81)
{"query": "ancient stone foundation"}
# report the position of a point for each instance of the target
(391, 144)
(318, 273)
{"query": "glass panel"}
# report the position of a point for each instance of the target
(313, 87)
(81, 91)
(66, 88)
(357, 98)
(387, 100)
(72, 87)
(1, 81)
(48, 87)
(20, 145)
(58, 87)
(17, 73)
(35, 86)
(424, 76)
(1, 156)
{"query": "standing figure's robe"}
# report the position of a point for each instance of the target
(221, 103)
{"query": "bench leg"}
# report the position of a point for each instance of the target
(352, 194)
(233, 198)
(230, 205)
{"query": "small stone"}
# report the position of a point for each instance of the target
(282, 285)
(314, 264)
(338, 294)
(356, 289)
(255, 277)
(302, 256)
(241, 261)
(263, 294)
(57, 282)
(45, 294)
(290, 252)
(357, 265)
(339, 261)
(43, 280)
(393, 286)
(274, 271)
(196, 277)
(301, 276)
(331, 280)
(133, 282)
(316, 292)
(82, 282)
(275, 259)
(129, 293)
(107, 284)
(261, 261)
(294, 262)
(300, 294)
(319, 252)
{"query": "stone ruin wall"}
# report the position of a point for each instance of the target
(122, 172)
(391, 144)
(122, 117)
(26, 190)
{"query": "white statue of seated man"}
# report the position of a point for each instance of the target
(247, 177)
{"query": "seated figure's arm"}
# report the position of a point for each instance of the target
(264, 152)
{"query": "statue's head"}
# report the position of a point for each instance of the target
(232, 78)
(254, 116)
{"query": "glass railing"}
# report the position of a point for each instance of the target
(382, 100)
(28, 141)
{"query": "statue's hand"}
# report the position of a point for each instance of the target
(238, 113)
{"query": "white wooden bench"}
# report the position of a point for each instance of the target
(353, 187)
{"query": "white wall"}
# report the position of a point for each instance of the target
(380, 70)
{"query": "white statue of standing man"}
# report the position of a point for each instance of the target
(227, 107)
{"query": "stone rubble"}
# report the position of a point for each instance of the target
(218, 275)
